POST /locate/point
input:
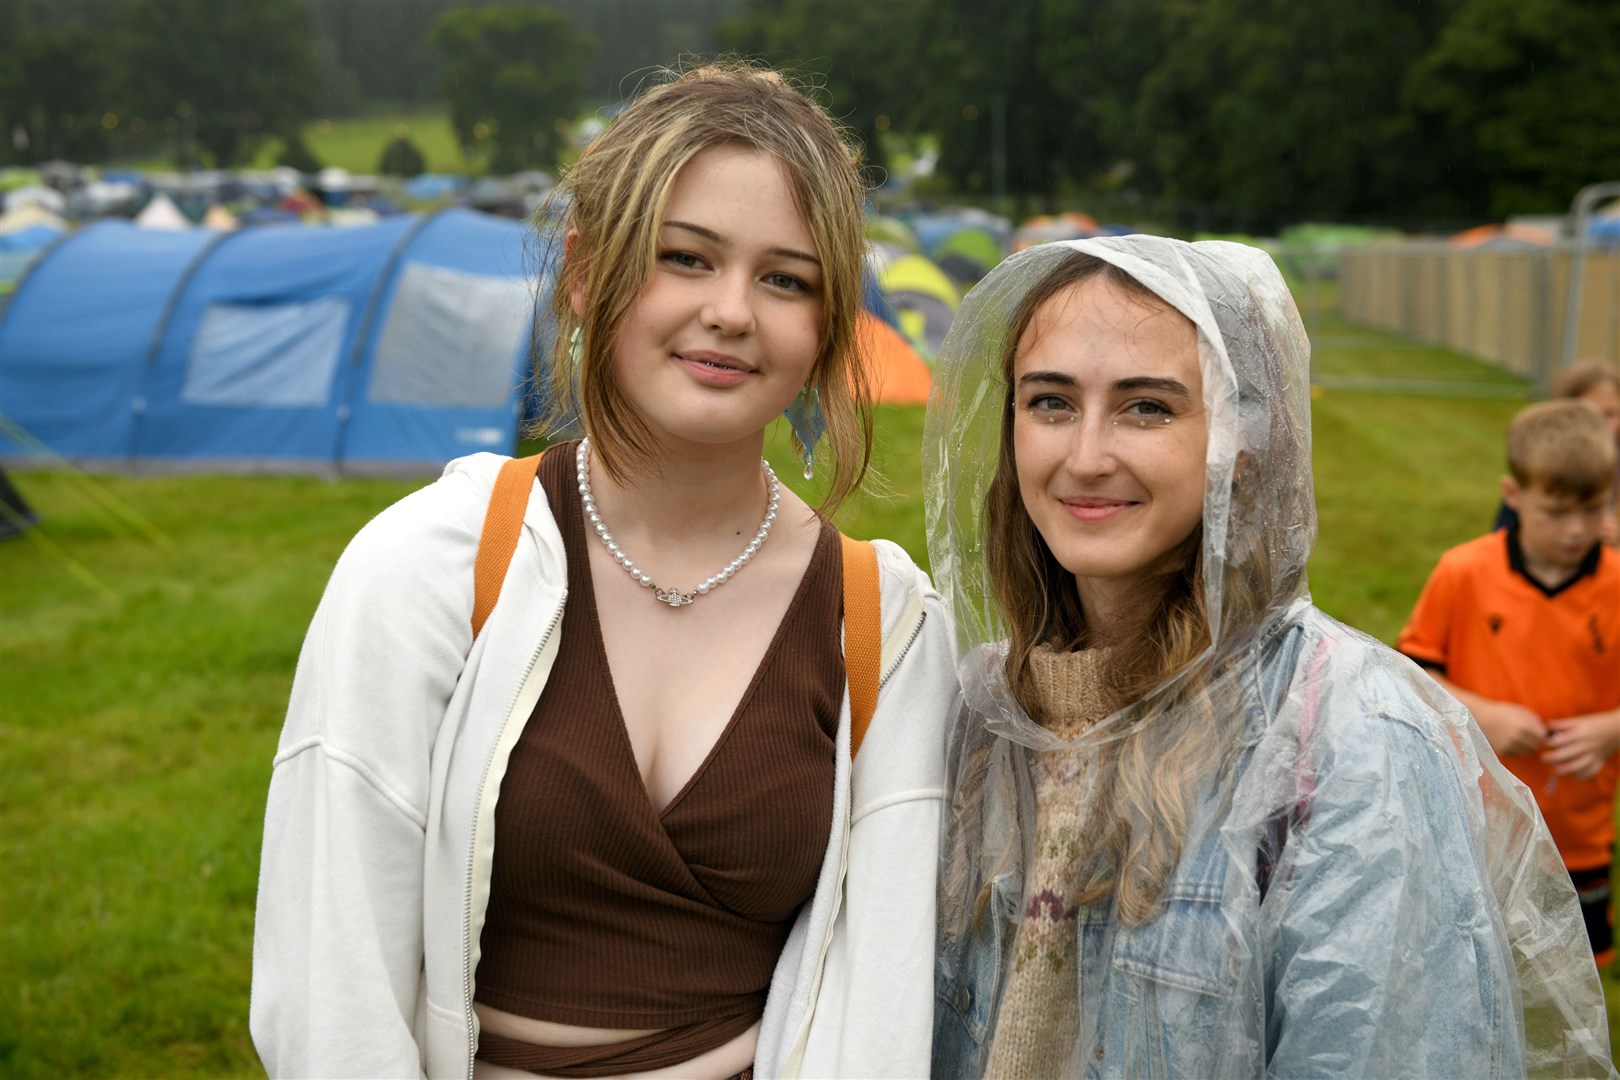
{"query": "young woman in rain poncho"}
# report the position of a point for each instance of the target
(1199, 828)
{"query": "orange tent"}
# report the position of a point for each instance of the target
(1502, 236)
(899, 376)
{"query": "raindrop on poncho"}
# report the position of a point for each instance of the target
(1363, 890)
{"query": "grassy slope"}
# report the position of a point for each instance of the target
(357, 144)
(138, 726)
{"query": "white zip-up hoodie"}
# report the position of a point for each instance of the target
(379, 831)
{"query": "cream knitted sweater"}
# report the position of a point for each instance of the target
(1039, 1018)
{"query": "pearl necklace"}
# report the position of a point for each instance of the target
(672, 596)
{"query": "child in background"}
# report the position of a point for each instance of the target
(1598, 384)
(1523, 627)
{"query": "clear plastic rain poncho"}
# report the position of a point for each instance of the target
(1362, 890)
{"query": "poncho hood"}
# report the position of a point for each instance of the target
(1259, 519)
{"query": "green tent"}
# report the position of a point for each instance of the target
(968, 254)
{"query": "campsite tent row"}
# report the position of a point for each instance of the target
(388, 348)
(385, 348)
(924, 262)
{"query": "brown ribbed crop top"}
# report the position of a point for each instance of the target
(604, 912)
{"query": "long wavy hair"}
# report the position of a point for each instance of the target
(1151, 775)
(614, 198)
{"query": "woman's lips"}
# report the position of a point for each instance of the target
(713, 369)
(1095, 509)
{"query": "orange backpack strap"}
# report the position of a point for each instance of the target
(503, 521)
(863, 636)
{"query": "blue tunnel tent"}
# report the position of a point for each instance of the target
(388, 348)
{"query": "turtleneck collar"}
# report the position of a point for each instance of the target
(1071, 687)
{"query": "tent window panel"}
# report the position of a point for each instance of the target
(450, 339)
(266, 355)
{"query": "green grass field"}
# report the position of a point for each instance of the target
(357, 144)
(144, 670)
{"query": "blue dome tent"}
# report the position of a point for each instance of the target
(388, 348)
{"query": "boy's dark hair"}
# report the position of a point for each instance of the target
(1562, 447)
(1580, 377)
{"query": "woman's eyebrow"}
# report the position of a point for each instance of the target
(1154, 382)
(710, 234)
(1134, 384)
(1056, 377)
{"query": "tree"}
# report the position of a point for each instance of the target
(865, 55)
(381, 46)
(1002, 124)
(402, 157)
(517, 72)
(634, 38)
(296, 154)
(53, 87)
(1095, 57)
(1526, 94)
(1265, 110)
(222, 74)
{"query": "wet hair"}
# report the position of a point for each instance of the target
(1582, 377)
(614, 198)
(1562, 447)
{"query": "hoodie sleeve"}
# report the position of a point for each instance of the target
(871, 1010)
(337, 949)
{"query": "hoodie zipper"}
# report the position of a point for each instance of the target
(472, 848)
(916, 632)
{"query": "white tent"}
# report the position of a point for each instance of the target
(161, 213)
(35, 195)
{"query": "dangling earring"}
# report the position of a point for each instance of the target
(576, 346)
(804, 417)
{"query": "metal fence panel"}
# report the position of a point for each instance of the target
(1504, 306)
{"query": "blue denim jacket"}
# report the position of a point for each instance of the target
(1343, 906)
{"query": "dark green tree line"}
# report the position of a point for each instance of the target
(209, 80)
(229, 72)
(1234, 113)
(1229, 113)
(1532, 89)
(53, 89)
(1268, 109)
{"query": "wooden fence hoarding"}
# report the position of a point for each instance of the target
(1505, 306)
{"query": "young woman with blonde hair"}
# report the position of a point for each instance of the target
(618, 831)
(1198, 828)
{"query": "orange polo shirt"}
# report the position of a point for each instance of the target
(1489, 627)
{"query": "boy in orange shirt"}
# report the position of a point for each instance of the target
(1523, 627)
